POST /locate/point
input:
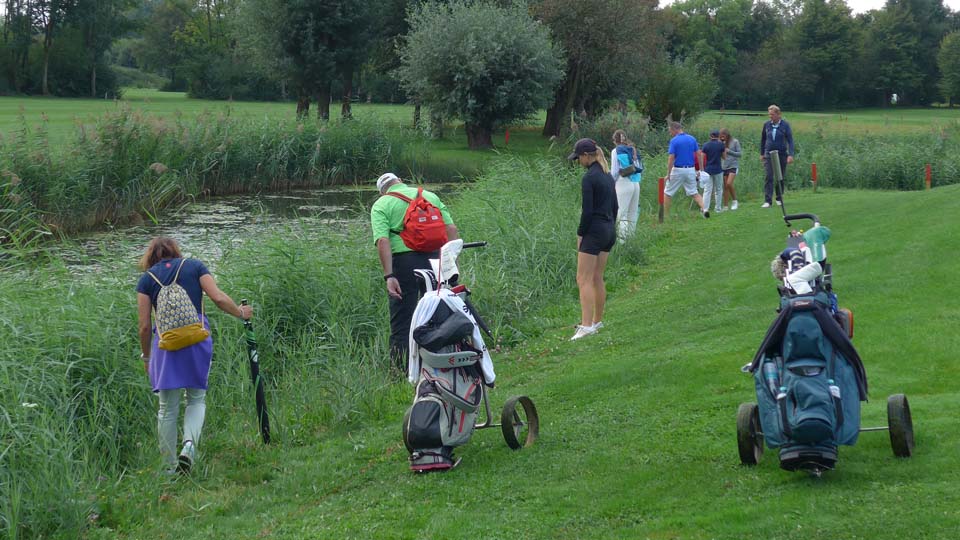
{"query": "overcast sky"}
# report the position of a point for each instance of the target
(860, 6)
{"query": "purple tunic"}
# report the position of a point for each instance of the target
(187, 368)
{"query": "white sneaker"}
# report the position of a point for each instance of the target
(187, 456)
(583, 331)
(779, 203)
(734, 205)
(765, 205)
(717, 210)
(597, 326)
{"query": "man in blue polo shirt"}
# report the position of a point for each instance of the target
(775, 137)
(680, 171)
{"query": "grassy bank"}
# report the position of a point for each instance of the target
(75, 165)
(130, 167)
(639, 420)
(83, 399)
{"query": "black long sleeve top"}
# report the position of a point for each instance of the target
(599, 199)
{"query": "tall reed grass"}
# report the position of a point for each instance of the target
(130, 166)
(77, 412)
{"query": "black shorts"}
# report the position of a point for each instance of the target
(599, 238)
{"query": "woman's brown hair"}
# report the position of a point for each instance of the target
(160, 248)
(725, 133)
(620, 137)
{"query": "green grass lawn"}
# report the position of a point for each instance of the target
(62, 116)
(853, 122)
(637, 423)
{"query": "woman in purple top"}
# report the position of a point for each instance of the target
(173, 373)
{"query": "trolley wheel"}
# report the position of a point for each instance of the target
(845, 317)
(520, 425)
(901, 425)
(406, 424)
(749, 434)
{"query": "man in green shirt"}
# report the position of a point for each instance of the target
(398, 260)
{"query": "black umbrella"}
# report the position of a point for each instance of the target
(262, 417)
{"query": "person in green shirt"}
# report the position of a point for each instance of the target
(399, 261)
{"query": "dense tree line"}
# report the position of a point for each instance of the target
(666, 61)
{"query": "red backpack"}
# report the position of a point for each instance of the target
(423, 226)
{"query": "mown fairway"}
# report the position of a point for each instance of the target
(638, 432)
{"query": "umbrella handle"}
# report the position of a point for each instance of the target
(246, 322)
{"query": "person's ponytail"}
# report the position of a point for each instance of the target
(602, 160)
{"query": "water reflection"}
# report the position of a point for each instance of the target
(205, 229)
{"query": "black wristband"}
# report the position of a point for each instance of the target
(388, 276)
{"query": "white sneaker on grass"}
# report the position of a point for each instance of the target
(734, 205)
(765, 205)
(187, 457)
(583, 331)
(779, 203)
(597, 326)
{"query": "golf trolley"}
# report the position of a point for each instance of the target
(452, 370)
(809, 379)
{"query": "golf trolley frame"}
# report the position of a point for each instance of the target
(750, 437)
(519, 421)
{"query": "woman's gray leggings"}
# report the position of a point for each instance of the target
(167, 419)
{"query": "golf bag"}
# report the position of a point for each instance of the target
(449, 365)
(809, 378)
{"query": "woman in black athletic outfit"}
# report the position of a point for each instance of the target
(596, 234)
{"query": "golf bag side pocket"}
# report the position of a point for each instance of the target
(769, 411)
(423, 429)
(810, 409)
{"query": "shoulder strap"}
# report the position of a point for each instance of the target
(155, 279)
(177, 275)
(403, 198)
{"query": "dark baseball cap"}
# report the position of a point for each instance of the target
(714, 132)
(583, 146)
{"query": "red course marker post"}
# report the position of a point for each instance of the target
(661, 183)
(813, 174)
(506, 137)
(929, 176)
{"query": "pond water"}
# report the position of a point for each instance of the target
(206, 228)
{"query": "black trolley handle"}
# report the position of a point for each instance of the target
(812, 217)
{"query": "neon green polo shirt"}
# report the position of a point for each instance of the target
(386, 216)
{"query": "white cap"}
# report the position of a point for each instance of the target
(385, 179)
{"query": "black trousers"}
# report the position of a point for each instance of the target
(768, 180)
(401, 310)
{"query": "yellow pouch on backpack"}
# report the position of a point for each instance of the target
(178, 338)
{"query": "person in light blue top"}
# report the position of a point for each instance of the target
(623, 158)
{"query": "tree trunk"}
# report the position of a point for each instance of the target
(436, 124)
(93, 81)
(46, 65)
(563, 104)
(478, 137)
(47, 44)
(323, 102)
(303, 106)
(345, 112)
(416, 114)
